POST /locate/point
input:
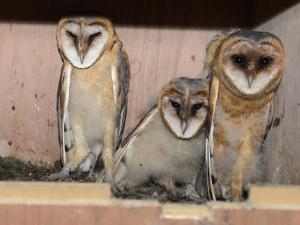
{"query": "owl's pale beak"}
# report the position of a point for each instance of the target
(184, 125)
(250, 79)
(81, 49)
(81, 55)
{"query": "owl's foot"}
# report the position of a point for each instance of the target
(109, 177)
(100, 177)
(193, 195)
(236, 191)
(225, 193)
(60, 176)
(121, 186)
(231, 193)
(87, 165)
(170, 186)
(177, 191)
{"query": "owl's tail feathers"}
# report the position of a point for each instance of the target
(119, 167)
(117, 159)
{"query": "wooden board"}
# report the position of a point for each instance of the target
(163, 46)
(282, 146)
(73, 203)
(31, 212)
(274, 195)
(29, 68)
(45, 191)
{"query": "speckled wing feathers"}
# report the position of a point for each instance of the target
(275, 115)
(65, 132)
(123, 77)
(204, 180)
(123, 151)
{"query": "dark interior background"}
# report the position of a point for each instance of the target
(169, 13)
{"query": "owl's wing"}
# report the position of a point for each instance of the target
(275, 114)
(206, 177)
(66, 140)
(120, 78)
(270, 119)
(126, 145)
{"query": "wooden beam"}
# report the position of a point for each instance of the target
(58, 191)
(76, 204)
(275, 195)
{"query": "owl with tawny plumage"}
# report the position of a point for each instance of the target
(246, 69)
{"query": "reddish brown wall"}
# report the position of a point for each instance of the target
(120, 213)
(30, 68)
(283, 143)
(73, 203)
(169, 42)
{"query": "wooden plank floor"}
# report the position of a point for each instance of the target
(77, 204)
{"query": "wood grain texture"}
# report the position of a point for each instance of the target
(29, 71)
(282, 145)
(30, 68)
(288, 195)
(158, 51)
(54, 191)
(116, 212)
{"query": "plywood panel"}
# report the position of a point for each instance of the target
(93, 212)
(282, 147)
(44, 191)
(30, 68)
(279, 194)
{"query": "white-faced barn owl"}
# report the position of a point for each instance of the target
(246, 69)
(92, 95)
(168, 145)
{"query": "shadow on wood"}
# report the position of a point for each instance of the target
(167, 13)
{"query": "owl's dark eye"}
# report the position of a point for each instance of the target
(196, 107)
(265, 61)
(72, 35)
(95, 35)
(175, 105)
(240, 60)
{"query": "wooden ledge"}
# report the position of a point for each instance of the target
(281, 194)
(187, 212)
(38, 203)
(54, 191)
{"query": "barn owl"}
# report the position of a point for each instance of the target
(168, 144)
(92, 95)
(246, 68)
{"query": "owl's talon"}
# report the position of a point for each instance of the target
(226, 193)
(101, 177)
(109, 178)
(121, 186)
(88, 164)
(193, 195)
(177, 192)
(60, 176)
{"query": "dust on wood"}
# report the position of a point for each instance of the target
(153, 191)
(16, 170)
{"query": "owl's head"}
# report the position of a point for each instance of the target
(250, 63)
(81, 41)
(183, 105)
